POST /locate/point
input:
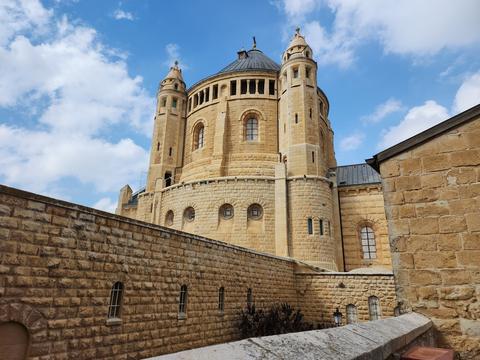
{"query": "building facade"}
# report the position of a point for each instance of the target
(246, 156)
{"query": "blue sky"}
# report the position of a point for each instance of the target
(78, 78)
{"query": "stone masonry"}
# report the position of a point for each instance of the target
(432, 201)
(59, 262)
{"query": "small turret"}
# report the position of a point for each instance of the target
(298, 47)
(173, 80)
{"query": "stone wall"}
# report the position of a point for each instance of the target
(320, 294)
(432, 200)
(59, 262)
(362, 205)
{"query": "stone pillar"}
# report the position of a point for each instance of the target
(281, 227)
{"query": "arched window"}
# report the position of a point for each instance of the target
(199, 136)
(251, 129)
(255, 212)
(226, 211)
(369, 248)
(249, 297)
(374, 308)
(115, 305)
(189, 214)
(351, 314)
(182, 305)
(169, 218)
(221, 299)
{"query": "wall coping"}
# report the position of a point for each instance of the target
(370, 340)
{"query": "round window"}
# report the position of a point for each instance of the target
(226, 211)
(169, 218)
(189, 214)
(255, 212)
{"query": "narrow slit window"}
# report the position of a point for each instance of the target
(310, 113)
(174, 103)
(321, 227)
(158, 146)
(307, 72)
(243, 86)
(313, 156)
(221, 299)
(296, 118)
(190, 104)
(310, 226)
(284, 128)
(321, 108)
(271, 87)
(214, 92)
(164, 102)
(233, 87)
(170, 152)
(182, 305)
(114, 308)
(295, 73)
(249, 297)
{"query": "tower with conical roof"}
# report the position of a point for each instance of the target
(168, 134)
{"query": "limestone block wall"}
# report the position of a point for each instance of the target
(432, 200)
(311, 197)
(320, 294)
(207, 197)
(60, 260)
(363, 205)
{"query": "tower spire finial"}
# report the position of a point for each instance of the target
(254, 43)
(297, 30)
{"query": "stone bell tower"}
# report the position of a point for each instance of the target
(166, 153)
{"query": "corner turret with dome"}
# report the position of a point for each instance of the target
(246, 156)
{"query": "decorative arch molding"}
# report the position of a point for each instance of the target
(251, 111)
(26, 315)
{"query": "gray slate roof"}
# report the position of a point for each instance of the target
(357, 174)
(255, 60)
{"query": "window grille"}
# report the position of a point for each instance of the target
(182, 306)
(251, 132)
(351, 314)
(221, 299)
(374, 308)
(114, 308)
(369, 247)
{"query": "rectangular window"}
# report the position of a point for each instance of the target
(163, 102)
(295, 73)
(321, 108)
(182, 306)
(215, 92)
(310, 226)
(190, 104)
(307, 72)
(207, 94)
(174, 103)
(243, 86)
(201, 97)
(252, 86)
(271, 87)
(321, 227)
(261, 86)
(195, 100)
(233, 87)
(221, 299)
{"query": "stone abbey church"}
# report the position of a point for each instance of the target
(244, 203)
(246, 156)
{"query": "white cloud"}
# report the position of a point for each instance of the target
(352, 142)
(383, 110)
(17, 16)
(468, 94)
(105, 204)
(173, 54)
(418, 119)
(408, 27)
(123, 15)
(79, 91)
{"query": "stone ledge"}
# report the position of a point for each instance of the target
(371, 340)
